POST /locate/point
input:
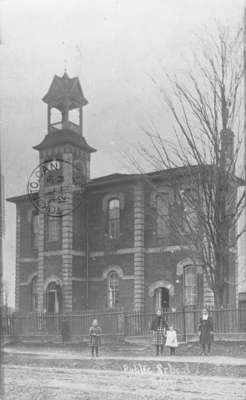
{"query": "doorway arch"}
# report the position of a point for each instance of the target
(161, 291)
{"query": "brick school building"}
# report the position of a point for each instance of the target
(116, 247)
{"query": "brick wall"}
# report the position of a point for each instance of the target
(127, 294)
(79, 225)
(79, 295)
(98, 294)
(52, 266)
(27, 269)
(25, 298)
(79, 267)
(26, 248)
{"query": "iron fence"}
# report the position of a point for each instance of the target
(118, 322)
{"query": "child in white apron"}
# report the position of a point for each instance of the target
(171, 340)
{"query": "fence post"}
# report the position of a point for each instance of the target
(184, 324)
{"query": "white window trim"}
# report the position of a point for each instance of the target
(113, 268)
(109, 290)
(185, 263)
(161, 284)
(52, 278)
(111, 196)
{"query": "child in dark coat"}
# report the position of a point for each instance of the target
(206, 331)
(95, 338)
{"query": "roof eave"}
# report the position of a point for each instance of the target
(22, 197)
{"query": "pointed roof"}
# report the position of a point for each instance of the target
(64, 90)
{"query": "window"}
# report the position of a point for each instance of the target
(190, 285)
(35, 230)
(34, 294)
(162, 205)
(190, 215)
(113, 289)
(53, 229)
(114, 218)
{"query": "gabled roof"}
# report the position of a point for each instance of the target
(64, 136)
(64, 90)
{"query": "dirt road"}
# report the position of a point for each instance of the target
(39, 383)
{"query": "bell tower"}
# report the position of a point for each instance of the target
(65, 95)
(65, 101)
(65, 154)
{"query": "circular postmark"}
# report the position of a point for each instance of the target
(55, 187)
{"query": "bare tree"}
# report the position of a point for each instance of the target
(205, 104)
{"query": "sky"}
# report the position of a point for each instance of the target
(115, 47)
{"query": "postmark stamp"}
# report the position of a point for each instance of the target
(55, 187)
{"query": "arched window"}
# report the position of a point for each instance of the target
(34, 229)
(113, 289)
(162, 207)
(34, 294)
(190, 285)
(114, 218)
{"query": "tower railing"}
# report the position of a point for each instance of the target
(57, 126)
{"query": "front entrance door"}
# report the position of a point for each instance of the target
(51, 302)
(54, 307)
(161, 299)
(53, 299)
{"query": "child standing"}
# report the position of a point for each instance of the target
(158, 327)
(171, 340)
(206, 331)
(95, 338)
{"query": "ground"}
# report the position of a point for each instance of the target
(23, 383)
(126, 372)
